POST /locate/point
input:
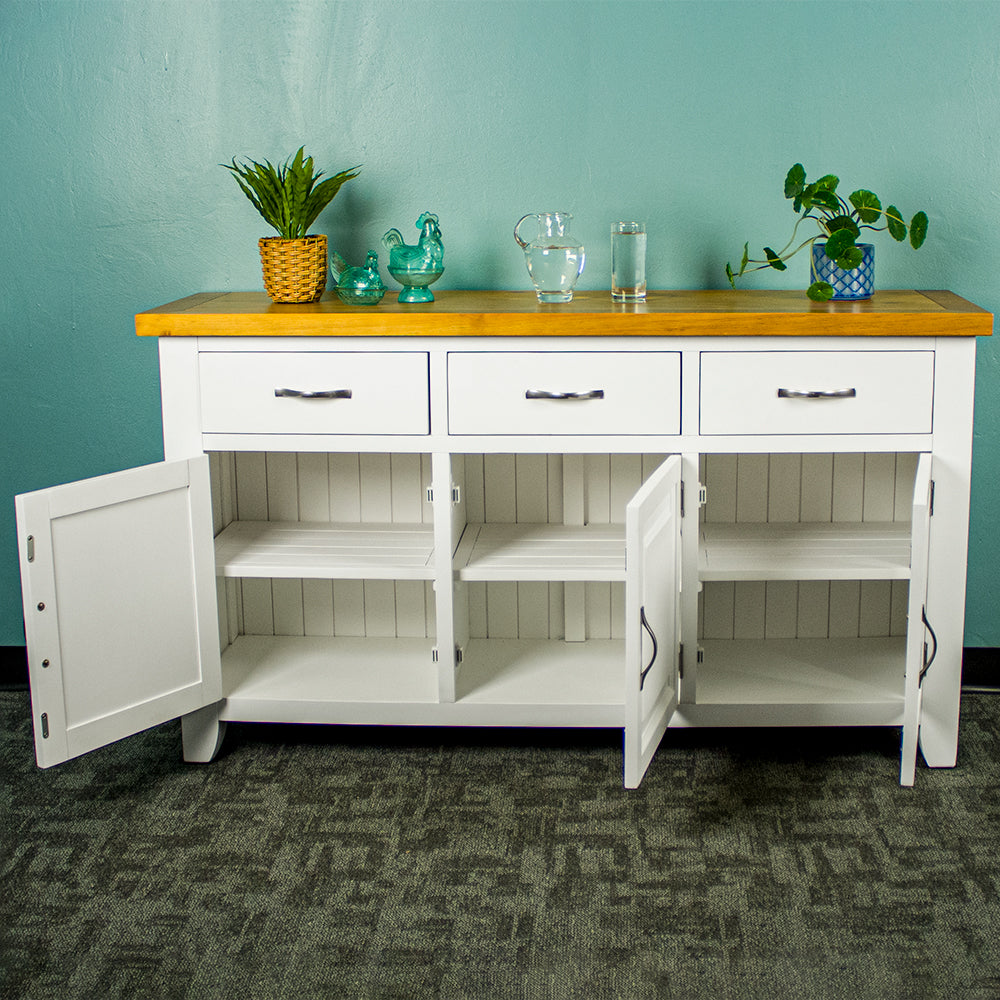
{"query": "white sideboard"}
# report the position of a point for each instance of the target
(711, 509)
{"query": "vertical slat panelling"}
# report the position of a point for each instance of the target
(345, 505)
(784, 487)
(809, 487)
(816, 498)
(597, 595)
(314, 505)
(283, 505)
(409, 491)
(257, 613)
(376, 506)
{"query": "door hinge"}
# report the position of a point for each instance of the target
(931, 501)
(456, 494)
(45, 725)
(702, 495)
(31, 548)
(434, 654)
(680, 660)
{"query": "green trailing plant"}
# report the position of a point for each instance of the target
(840, 224)
(289, 197)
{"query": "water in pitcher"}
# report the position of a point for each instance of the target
(554, 270)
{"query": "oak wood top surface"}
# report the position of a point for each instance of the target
(519, 314)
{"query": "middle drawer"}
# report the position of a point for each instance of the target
(319, 392)
(557, 392)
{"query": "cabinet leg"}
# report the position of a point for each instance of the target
(202, 734)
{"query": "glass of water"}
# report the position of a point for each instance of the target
(628, 261)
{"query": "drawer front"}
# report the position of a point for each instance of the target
(817, 392)
(550, 392)
(314, 393)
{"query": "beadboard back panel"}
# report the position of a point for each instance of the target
(308, 486)
(809, 487)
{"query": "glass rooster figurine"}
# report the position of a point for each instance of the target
(358, 286)
(416, 267)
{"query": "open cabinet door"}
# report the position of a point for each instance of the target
(118, 582)
(916, 645)
(652, 615)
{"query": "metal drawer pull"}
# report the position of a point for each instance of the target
(652, 635)
(817, 393)
(318, 394)
(547, 394)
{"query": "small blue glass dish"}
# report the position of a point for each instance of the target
(358, 286)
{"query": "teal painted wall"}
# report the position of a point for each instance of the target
(114, 116)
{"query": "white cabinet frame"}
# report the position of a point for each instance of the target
(450, 677)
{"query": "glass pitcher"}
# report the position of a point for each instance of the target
(554, 259)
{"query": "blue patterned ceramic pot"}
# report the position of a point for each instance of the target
(858, 283)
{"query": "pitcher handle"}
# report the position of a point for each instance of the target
(517, 235)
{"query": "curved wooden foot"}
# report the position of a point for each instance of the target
(202, 734)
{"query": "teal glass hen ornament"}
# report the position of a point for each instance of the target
(358, 286)
(416, 267)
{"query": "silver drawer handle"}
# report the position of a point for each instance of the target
(318, 394)
(817, 393)
(547, 394)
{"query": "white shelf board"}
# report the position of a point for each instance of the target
(319, 550)
(545, 681)
(806, 672)
(326, 679)
(541, 552)
(867, 550)
(368, 681)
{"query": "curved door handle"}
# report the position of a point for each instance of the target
(817, 393)
(549, 394)
(652, 635)
(317, 394)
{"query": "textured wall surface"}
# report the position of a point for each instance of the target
(115, 116)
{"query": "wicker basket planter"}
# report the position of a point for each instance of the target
(294, 270)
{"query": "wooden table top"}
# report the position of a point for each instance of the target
(520, 314)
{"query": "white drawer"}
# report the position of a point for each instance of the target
(376, 393)
(817, 392)
(602, 393)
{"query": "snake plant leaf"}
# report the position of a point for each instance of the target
(795, 181)
(918, 230)
(894, 223)
(867, 205)
(820, 291)
(288, 197)
(774, 260)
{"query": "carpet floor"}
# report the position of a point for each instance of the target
(377, 864)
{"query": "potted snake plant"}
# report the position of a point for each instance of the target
(289, 198)
(842, 267)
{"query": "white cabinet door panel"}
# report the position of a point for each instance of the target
(118, 581)
(652, 615)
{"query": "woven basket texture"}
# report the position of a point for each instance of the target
(294, 270)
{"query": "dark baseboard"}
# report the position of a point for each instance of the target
(980, 668)
(13, 668)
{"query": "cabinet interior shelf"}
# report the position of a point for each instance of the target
(314, 550)
(541, 552)
(868, 550)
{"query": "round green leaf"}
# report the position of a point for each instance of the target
(918, 230)
(843, 222)
(828, 182)
(820, 291)
(839, 244)
(867, 205)
(850, 258)
(795, 181)
(894, 223)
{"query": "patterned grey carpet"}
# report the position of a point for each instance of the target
(316, 863)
